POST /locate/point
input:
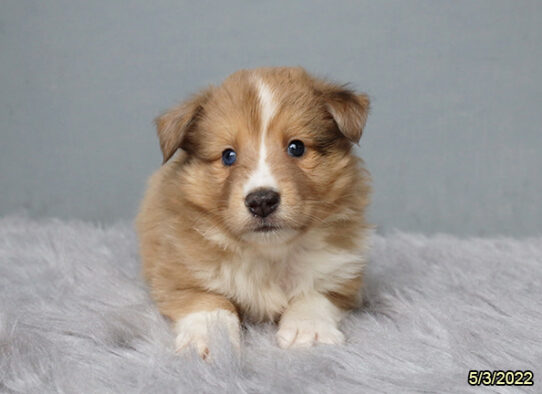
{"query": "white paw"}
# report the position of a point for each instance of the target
(306, 333)
(195, 330)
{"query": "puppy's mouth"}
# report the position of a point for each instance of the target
(266, 228)
(269, 232)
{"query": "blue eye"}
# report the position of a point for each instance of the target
(228, 157)
(296, 148)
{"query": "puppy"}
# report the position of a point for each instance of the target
(260, 215)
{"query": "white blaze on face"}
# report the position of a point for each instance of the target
(262, 176)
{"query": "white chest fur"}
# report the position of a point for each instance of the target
(263, 280)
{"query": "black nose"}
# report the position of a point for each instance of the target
(262, 202)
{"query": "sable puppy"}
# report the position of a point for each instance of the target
(260, 215)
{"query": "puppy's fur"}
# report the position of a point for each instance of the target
(208, 259)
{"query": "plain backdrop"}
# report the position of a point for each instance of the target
(453, 141)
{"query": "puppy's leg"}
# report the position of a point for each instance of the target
(308, 320)
(196, 314)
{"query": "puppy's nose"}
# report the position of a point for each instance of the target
(262, 202)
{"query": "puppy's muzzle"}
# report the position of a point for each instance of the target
(262, 202)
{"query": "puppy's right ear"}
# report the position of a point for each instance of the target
(174, 125)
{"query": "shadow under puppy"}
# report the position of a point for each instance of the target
(261, 213)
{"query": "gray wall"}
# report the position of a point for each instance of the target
(453, 141)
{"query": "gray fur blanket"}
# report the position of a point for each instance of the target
(75, 317)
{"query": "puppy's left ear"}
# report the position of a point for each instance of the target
(174, 126)
(349, 110)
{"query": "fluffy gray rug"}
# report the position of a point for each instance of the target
(76, 318)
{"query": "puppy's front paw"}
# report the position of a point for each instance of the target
(200, 341)
(195, 330)
(306, 333)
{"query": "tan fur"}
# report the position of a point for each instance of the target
(193, 224)
(347, 296)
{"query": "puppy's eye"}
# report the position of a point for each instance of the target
(228, 157)
(296, 148)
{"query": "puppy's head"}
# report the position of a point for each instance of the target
(267, 153)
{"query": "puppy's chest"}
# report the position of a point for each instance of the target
(262, 285)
